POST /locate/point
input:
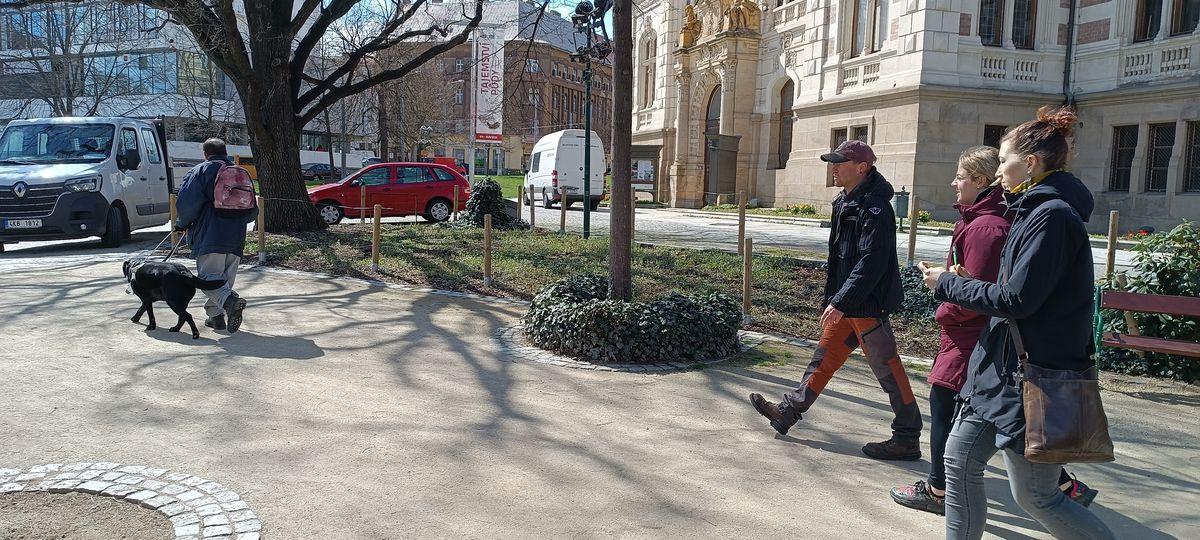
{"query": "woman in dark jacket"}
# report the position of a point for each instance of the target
(1045, 286)
(974, 252)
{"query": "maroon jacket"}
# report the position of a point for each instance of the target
(978, 238)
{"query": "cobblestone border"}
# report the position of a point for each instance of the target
(197, 508)
(515, 347)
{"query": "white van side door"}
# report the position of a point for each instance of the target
(156, 171)
(135, 183)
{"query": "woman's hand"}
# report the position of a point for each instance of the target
(961, 271)
(931, 274)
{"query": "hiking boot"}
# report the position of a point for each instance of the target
(233, 310)
(773, 413)
(892, 449)
(216, 323)
(1080, 493)
(919, 497)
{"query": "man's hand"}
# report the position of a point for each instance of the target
(931, 274)
(830, 317)
(179, 228)
(961, 271)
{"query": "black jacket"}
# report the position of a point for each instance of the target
(1046, 280)
(864, 275)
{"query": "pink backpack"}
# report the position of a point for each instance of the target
(233, 191)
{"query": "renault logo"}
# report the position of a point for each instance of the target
(20, 189)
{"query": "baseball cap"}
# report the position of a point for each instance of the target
(851, 150)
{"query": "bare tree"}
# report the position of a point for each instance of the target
(266, 53)
(417, 111)
(205, 103)
(620, 225)
(68, 57)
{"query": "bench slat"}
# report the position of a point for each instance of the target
(1151, 303)
(1152, 344)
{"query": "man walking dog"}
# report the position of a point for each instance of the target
(216, 229)
(862, 287)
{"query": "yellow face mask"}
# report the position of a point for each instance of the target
(1033, 181)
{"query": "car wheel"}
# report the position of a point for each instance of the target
(331, 212)
(437, 210)
(114, 228)
(547, 202)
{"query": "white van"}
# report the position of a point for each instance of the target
(64, 178)
(557, 161)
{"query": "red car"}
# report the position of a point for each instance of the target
(403, 189)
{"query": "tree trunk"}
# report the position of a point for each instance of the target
(620, 227)
(383, 126)
(276, 144)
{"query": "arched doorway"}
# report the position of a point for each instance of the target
(712, 126)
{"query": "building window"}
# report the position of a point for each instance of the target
(1124, 144)
(531, 65)
(1149, 15)
(869, 26)
(992, 135)
(861, 133)
(1184, 16)
(460, 64)
(839, 137)
(1024, 23)
(1191, 174)
(649, 55)
(786, 97)
(1162, 140)
(991, 22)
(458, 96)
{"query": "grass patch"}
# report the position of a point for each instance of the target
(786, 299)
(770, 354)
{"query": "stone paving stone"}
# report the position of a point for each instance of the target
(219, 530)
(209, 509)
(202, 501)
(174, 509)
(185, 530)
(190, 495)
(142, 495)
(248, 536)
(242, 515)
(66, 476)
(64, 486)
(111, 476)
(153, 473)
(252, 525)
(10, 472)
(49, 467)
(235, 505)
(185, 519)
(94, 486)
(29, 476)
(154, 484)
(44, 485)
(192, 481)
(88, 475)
(130, 479)
(225, 496)
(11, 487)
(173, 489)
(219, 519)
(120, 490)
(211, 487)
(175, 477)
(104, 466)
(132, 469)
(154, 503)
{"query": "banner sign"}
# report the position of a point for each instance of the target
(489, 89)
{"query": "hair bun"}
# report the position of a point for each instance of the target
(1062, 119)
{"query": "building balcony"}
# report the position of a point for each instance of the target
(1156, 60)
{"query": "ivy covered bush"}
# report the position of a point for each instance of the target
(918, 299)
(488, 198)
(575, 317)
(1164, 263)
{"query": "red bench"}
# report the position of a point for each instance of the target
(1128, 302)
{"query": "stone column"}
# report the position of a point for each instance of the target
(683, 81)
(1009, 18)
(728, 96)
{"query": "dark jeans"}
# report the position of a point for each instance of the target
(879, 346)
(1034, 486)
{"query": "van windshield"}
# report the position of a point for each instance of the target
(56, 143)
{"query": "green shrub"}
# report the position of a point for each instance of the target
(720, 207)
(488, 198)
(1164, 263)
(918, 299)
(574, 317)
(923, 216)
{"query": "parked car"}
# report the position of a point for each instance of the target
(557, 162)
(371, 161)
(460, 166)
(63, 178)
(403, 189)
(319, 171)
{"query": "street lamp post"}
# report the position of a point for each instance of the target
(587, 19)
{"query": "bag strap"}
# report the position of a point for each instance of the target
(1015, 333)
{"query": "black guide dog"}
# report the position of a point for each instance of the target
(169, 282)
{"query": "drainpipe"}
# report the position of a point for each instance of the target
(1068, 65)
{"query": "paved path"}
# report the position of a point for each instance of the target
(344, 410)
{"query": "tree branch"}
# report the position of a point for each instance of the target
(336, 10)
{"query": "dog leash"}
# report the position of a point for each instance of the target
(135, 262)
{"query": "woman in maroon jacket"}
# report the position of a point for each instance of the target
(974, 251)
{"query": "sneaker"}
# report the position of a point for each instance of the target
(233, 310)
(1081, 493)
(216, 323)
(892, 449)
(919, 497)
(773, 413)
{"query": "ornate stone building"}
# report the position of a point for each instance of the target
(920, 80)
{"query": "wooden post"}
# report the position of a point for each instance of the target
(520, 201)
(1131, 325)
(362, 204)
(175, 214)
(532, 209)
(912, 229)
(455, 211)
(262, 230)
(747, 268)
(1111, 263)
(562, 210)
(375, 239)
(487, 249)
(741, 220)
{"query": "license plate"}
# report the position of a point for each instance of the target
(22, 223)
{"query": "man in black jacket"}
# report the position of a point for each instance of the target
(862, 287)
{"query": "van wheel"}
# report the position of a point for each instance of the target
(547, 202)
(330, 212)
(595, 204)
(438, 210)
(114, 228)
